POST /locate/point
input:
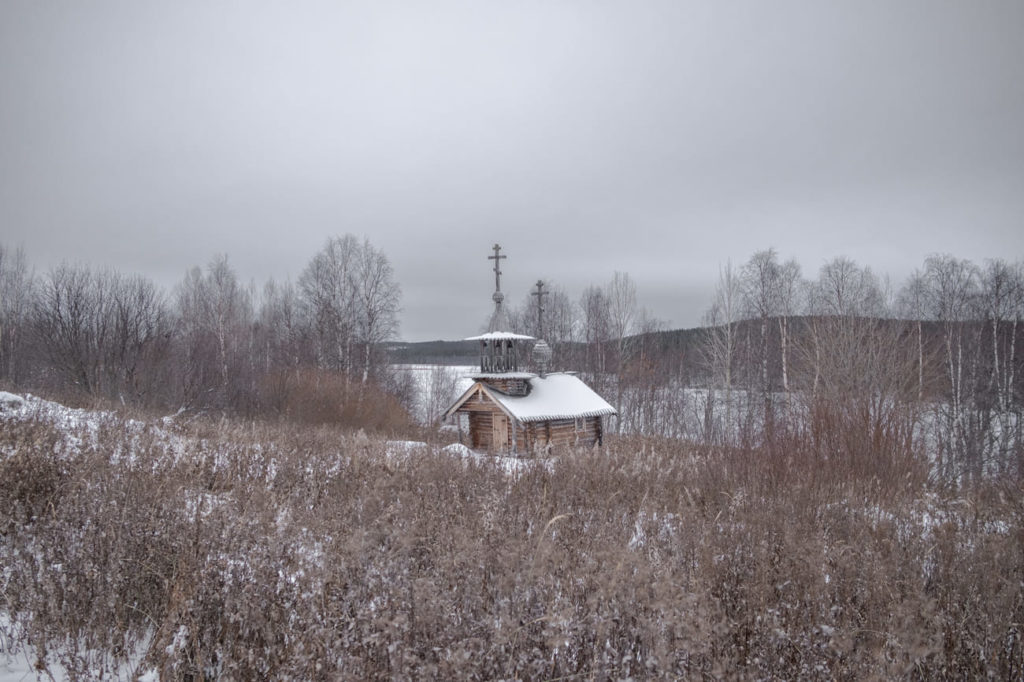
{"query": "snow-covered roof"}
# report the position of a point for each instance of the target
(500, 336)
(556, 396)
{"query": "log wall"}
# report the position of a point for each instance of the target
(508, 385)
(538, 435)
(484, 416)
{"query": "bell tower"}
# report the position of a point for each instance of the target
(499, 348)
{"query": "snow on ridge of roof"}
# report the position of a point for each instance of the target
(500, 336)
(556, 396)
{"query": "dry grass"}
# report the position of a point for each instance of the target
(233, 551)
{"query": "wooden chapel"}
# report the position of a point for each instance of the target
(512, 411)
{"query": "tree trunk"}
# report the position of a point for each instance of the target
(783, 334)
(920, 362)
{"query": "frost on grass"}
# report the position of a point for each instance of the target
(238, 551)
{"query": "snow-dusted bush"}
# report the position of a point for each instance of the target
(219, 550)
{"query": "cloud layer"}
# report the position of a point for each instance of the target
(657, 138)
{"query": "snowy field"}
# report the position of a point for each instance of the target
(178, 548)
(19, 662)
(81, 431)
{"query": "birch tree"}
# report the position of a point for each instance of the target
(562, 323)
(329, 300)
(620, 294)
(844, 289)
(843, 296)
(622, 310)
(790, 295)
(596, 334)
(352, 302)
(761, 277)
(377, 304)
(1002, 306)
(721, 339)
(214, 319)
(280, 338)
(913, 305)
(951, 290)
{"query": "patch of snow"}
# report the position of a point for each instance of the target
(18, 662)
(10, 402)
(402, 449)
(639, 536)
(179, 642)
(458, 450)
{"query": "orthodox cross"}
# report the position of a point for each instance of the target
(497, 262)
(540, 294)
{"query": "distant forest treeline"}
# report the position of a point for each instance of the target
(935, 364)
(934, 367)
(312, 350)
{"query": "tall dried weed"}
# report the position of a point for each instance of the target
(226, 550)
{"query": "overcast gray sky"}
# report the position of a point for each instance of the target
(655, 138)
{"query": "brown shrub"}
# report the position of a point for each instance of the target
(320, 397)
(240, 551)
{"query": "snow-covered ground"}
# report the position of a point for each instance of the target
(19, 662)
(398, 450)
(651, 531)
(80, 430)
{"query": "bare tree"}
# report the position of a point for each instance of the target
(440, 393)
(596, 331)
(646, 378)
(721, 339)
(843, 292)
(622, 313)
(139, 343)
(104, 333)
(622, 309)
(70, 324)
(280, 338)
(329, 300)
(790, 292)
(863, 407)
(352, 302)
(912, 305)
(952, 289)
(521, 319)
(761, 277)
(214, 321)
(844, 289)
(562, 324)
(378, 297)
(1001, 303)
(562, 328)
(16, 292)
